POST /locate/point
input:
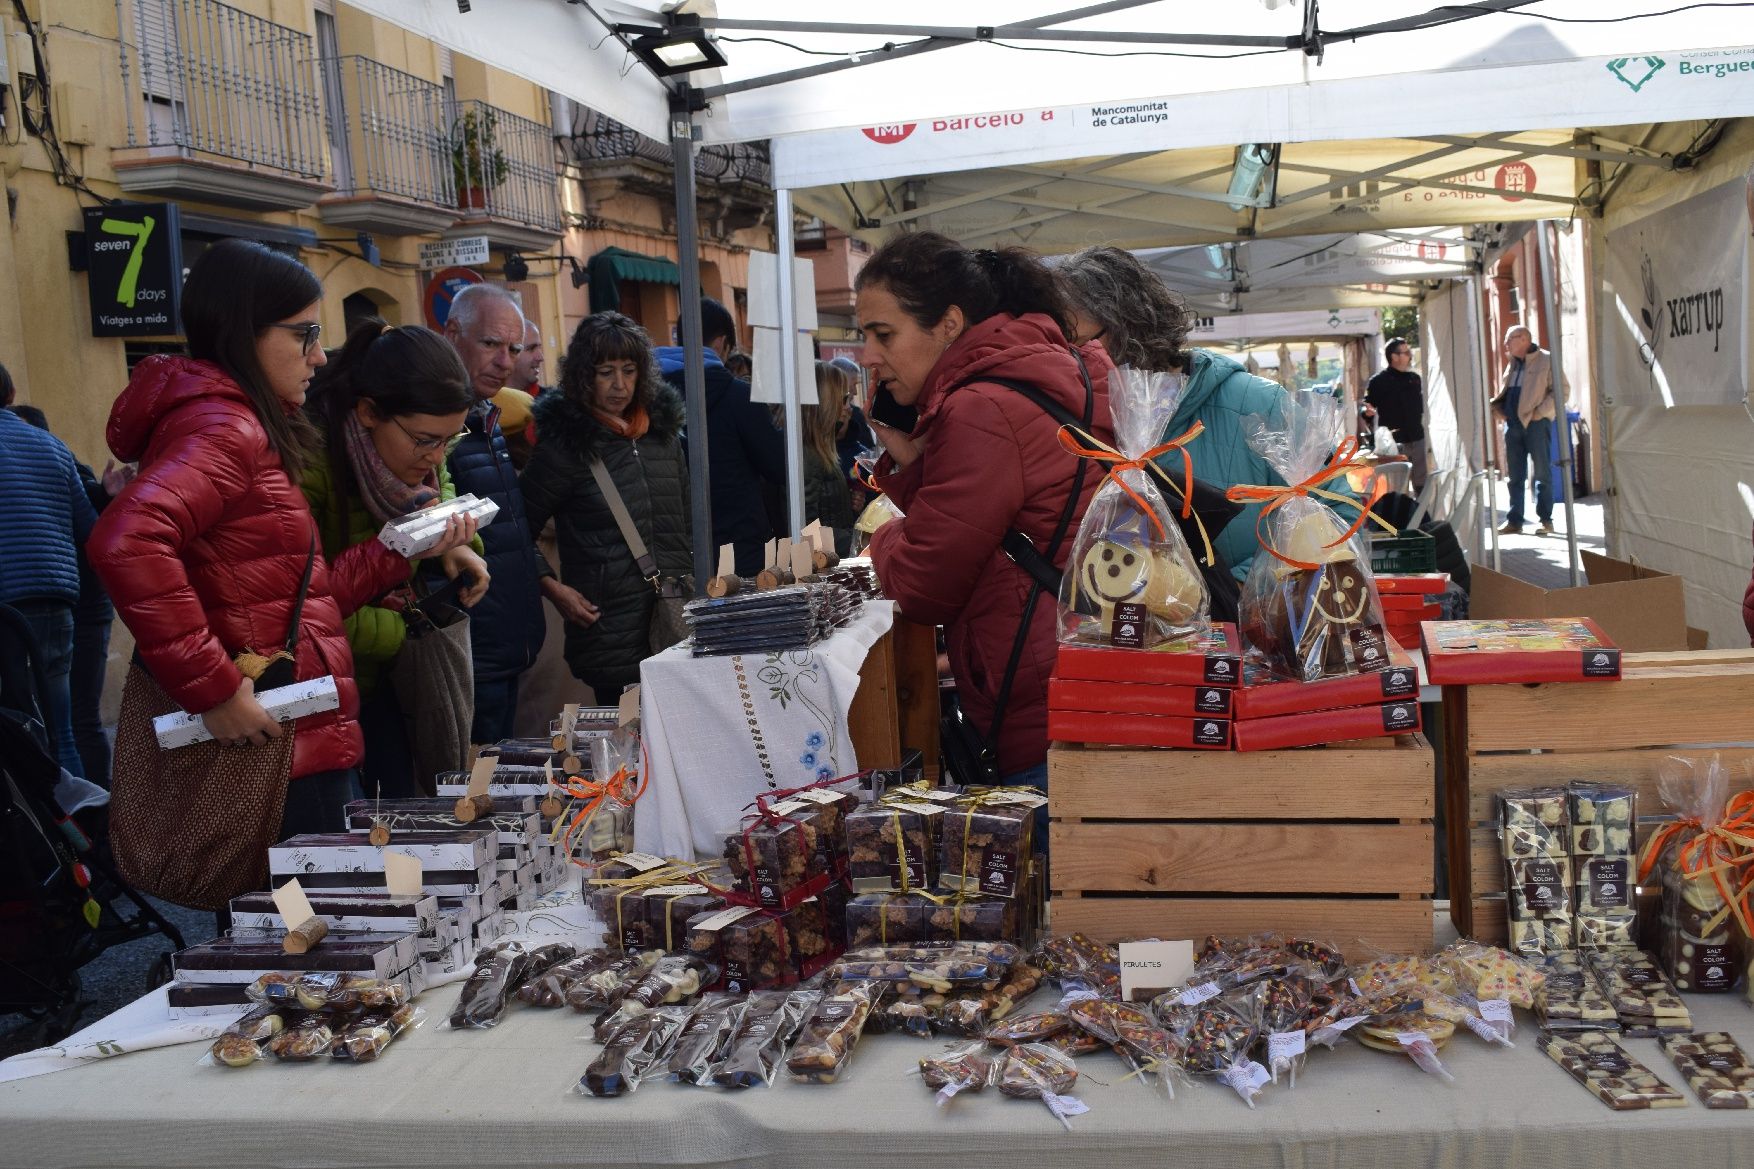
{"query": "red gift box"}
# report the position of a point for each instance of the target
(1416, 583)
(1139, 730)
(1328, 726)
(1214, 659)
(1553, 649)
(1076, 694)
(1268, 697)
(1410, 606)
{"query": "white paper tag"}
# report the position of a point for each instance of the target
(402, 874)
(480, 775)
(725, 917)
(1247, 1079)
(1283, 1046)
(674, 890)
(1154, 966)
(789, 808)
(640, 862)
(1487, 1031)
(922, 809)
(628, 709)
(569, 717)
(1496, 1011)
(813, 536)
(1064, 1106)
(1352, 984)
(928, 793)
(295, 908)
(727, 559)
(821, 795)
(1195, 995)
(803, 559)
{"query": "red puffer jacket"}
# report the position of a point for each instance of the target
(204, 550)
(990, 460)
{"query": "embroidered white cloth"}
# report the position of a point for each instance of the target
(718, 731)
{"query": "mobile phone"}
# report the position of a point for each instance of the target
(885, 409)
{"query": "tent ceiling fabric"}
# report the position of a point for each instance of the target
(1509, 70)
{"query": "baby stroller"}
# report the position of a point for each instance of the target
(61, 901)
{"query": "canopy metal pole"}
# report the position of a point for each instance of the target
(1547, 237)
(693, 363)
(789, 371)
(1488, 448)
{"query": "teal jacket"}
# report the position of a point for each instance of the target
(1221, 393)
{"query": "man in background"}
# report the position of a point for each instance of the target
(1395, 398)
(1528, 407)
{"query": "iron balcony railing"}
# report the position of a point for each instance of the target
(504, 166)
(601, 138)
(218, 80)
(391, 131)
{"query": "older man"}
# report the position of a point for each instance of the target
(486, 326)
(1529, 408)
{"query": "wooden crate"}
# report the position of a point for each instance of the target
(1552, 733)
(1336, 842)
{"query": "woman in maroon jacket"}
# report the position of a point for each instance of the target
(941, 322)
(203, 552)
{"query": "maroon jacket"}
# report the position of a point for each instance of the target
(203, 552)
(990, 460)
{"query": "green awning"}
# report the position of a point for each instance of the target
(609, 267)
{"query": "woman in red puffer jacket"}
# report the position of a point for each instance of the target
(941, 323)
(203, 552)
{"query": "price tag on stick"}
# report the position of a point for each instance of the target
(629, 710)
(480, 775)
(295, 908)
(803, 559)
(727, 559)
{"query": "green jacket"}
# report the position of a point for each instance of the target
(375, 633)
(1221, 393)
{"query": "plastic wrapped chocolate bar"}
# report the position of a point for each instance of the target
(602, 989)
(898, 1014)
(634, 1054)
(1037, 1027)
(825, 1045)
(310, 1037)
(1569, 998)
(1278, 1007)
(987, 841)
(749, 946)
(708, 1031)
(770, 1021)
(970, 1013)
(241, 1044)
(930, 967)
(676, 978)
(894, 846)
(1133, 1032)
(1644, 999)
(367, 1034)
(1036, 1071)
(1488, 972)
(967, 1068)
(326, 989)
(1716, 1067)
(489, 986)
(885, 918)
(1535, 837)
(1596, 1061)
(549, 988)
(1075, 960)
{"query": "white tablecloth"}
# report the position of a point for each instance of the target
(718, 731)
(443, 1099)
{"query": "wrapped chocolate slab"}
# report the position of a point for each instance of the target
(1605, 864)
(243, 1043)
(635, 1053)
(601, 989)
(1488, 973)
(1700, 861)
(1309, 609)
(1133, 1032)
(676, 978)
(1645, 1001)
(367, 1034)
(1131, 580)
(770, 1021)
(965, 1068)
(970, 1012)
(326, 990)
(893, 846)
(306, 1038)
(929, 967)
(1074, 961)
(1716, 1067)
(1595, 1060)
(706, 1035)
(1570, 998)
(1535, 838)
(988, 838)
(1035, 1071)
(825, 1044)
(548, 989)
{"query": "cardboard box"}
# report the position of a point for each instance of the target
(1214, 660)
(1319, 727)
(1139, 730)
(1639, 608)
(1129, 698)
(1268, 697)
(1482, 651)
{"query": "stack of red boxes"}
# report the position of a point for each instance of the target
(1177, 695)
(1272, 713)
(1406, 603)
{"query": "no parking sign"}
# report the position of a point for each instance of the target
(442, 289)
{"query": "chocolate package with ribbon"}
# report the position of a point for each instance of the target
(1131, 580)
(1309, 609)
(1704, 863)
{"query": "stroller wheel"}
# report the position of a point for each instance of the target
(160, 972)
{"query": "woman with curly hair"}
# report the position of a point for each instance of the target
(1122, 304)
(611, 408)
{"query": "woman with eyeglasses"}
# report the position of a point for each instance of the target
(608, 438)
(204, 553)
(389, 406)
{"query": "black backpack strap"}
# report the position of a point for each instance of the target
(1023, 550)
(298, 608)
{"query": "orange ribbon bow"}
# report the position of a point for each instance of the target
(1724, 851)
(625, 785)
(1344, 458)
(1087, 446)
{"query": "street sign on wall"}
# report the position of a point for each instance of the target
(134, 269)
(454, 253)
(442, 289)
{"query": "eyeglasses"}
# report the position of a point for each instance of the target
(428, 444)
(308, 333)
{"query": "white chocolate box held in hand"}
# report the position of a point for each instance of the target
(414, 534)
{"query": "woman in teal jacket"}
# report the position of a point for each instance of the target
(387, 405)
(1143, 324)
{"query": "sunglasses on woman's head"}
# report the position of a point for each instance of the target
(308, 334)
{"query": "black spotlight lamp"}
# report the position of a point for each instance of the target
(682, 48)
(516, 268)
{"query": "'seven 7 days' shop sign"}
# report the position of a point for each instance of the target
(134, 269)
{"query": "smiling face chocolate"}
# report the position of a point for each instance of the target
(1112, 573)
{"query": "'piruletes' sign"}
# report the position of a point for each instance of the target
(134, 269)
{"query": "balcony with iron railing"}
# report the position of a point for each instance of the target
(736, 173)
(222, 107)
(389, 136)
(505, 175)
